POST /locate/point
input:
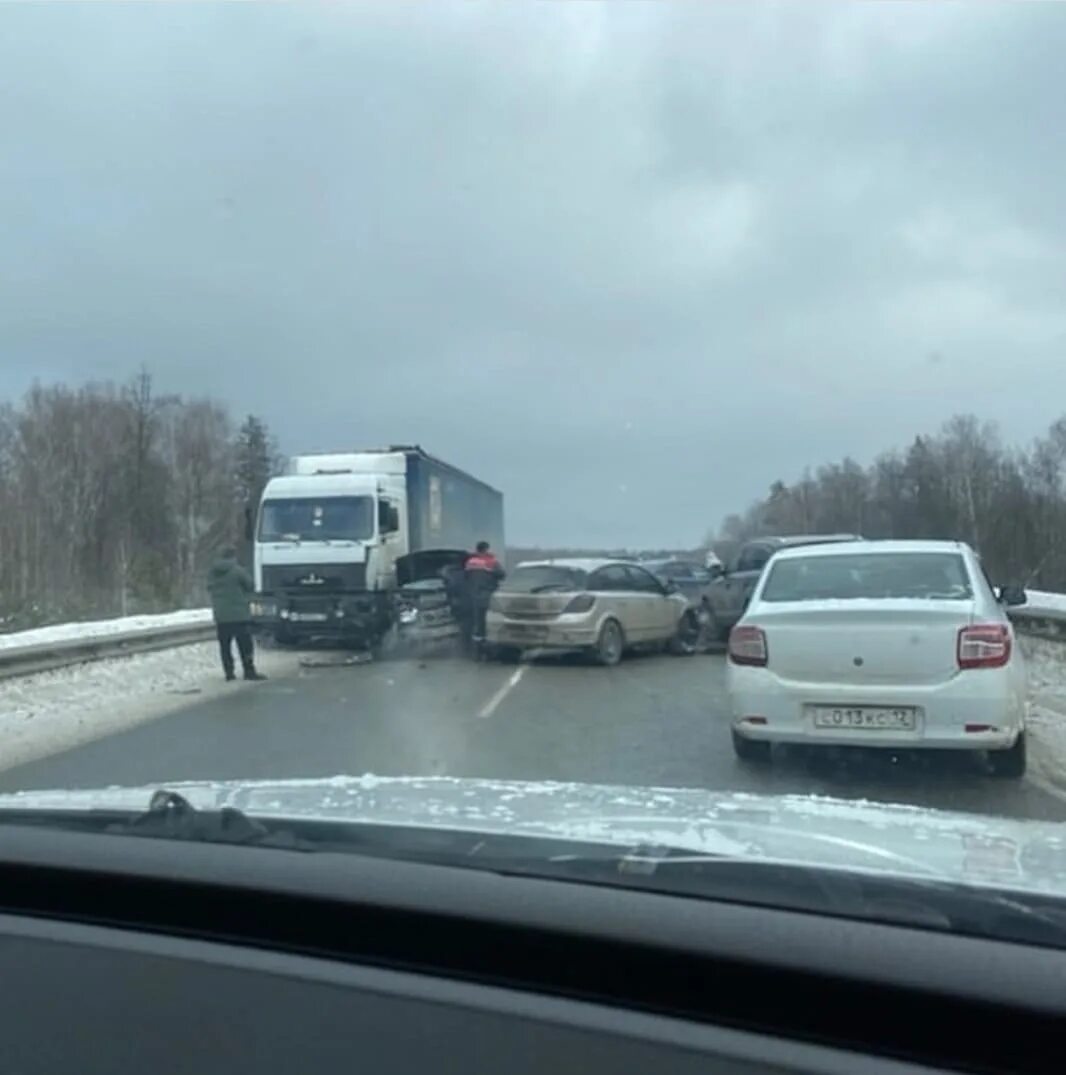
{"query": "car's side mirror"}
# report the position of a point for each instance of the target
(1012, 596)
(669, 586)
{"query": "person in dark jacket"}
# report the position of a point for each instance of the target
(483, 574)
(455, 585)
(229, 586)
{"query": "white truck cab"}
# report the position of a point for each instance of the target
(332, 528)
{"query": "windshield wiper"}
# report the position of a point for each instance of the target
(173, 817)
(170, 817)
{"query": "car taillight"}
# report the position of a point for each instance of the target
(984, 645)
(747, 645)
(582, 603)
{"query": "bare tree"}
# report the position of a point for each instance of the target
(960, 483)
(111, 500)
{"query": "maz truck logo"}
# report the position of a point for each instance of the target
(312, 580)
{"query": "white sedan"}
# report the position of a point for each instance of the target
(882, 644)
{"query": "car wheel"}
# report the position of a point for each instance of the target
(611, 644)
(753, 750)
(1009, 764)
(686, 640)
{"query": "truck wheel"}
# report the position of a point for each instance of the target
(1009, 764)
(611, 644)
(686, 640)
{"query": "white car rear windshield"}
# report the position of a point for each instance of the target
(938, 576)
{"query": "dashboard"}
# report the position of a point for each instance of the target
(134, 954)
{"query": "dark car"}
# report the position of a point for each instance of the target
(692, 579)
(728, 595)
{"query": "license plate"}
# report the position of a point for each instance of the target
(522, 631)
(872, 718)
(308, 617)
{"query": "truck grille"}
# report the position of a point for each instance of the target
(313, 578)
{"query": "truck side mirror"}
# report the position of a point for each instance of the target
(394, 519)
(249, 529)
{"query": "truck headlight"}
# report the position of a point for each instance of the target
(265, 609)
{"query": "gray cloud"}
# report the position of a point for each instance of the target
(630, 263)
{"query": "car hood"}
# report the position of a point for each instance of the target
(803, 830)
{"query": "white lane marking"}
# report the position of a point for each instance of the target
(493, 703)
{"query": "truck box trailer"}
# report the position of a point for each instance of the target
(338, 533)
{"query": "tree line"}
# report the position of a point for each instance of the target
(960, 483)
(114, 499)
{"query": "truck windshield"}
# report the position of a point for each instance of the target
(341, 518)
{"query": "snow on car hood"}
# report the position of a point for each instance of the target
(805, 830)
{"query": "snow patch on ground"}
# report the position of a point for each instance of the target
(1046, 663)
(65, 632)
(54, 711)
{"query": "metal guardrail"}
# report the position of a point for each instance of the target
(47, 656)
(1039, 617)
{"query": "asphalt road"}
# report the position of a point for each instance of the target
(653, 720)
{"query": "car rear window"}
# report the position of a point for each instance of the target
(930, 575)
(537, 579)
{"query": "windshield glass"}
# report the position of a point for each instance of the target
(940, 576)
(538, 579)
(340, 428)
(348, 518)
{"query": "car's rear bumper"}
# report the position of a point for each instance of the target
(565, 632)
(978, 710)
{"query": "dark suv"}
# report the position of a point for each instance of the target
(728, 595)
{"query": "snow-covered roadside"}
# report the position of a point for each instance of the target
(1046, 662)
(65, 632)
(54, 711)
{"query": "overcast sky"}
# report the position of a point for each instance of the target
(630, 264)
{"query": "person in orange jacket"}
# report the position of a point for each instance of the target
(483, 574)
